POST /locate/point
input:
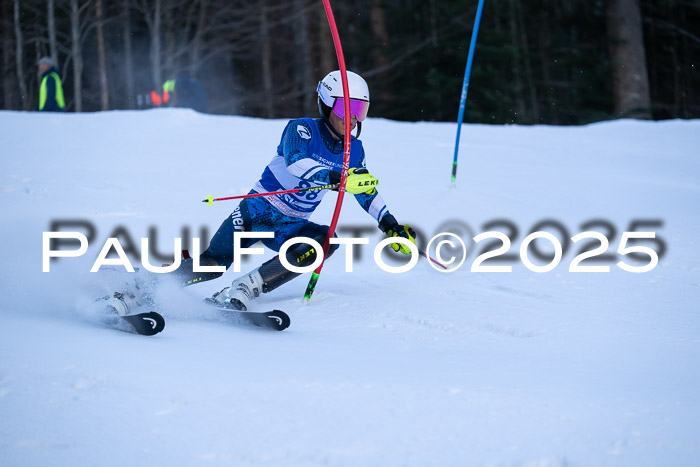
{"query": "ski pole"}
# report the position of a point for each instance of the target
(210, 199)
(425, 255)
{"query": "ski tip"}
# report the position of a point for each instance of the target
(280, 320)
(146, 324)
(305, 301)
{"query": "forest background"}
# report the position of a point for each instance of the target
(536, 61)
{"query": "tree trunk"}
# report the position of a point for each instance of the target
(327, 53)
(544, 47)
(516, 62)
(156, 67)
(266, 61)
(532, 90)
(677, 88)
(377, 20)
(128, 56)
(77, 54)
(197, 42)
(630, 79)
(51, 17)
(304, 81)
(433, 23)
(686, 74)
(19, 58)
(8, 86)
(169, 27)
(101, 62)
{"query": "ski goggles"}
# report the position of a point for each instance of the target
(358, 108)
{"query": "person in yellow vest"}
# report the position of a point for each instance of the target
(50, 88)
(168, 91)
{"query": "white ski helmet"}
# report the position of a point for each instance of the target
(330, 89)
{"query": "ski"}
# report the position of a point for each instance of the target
(146, 324)
(123, 305)
(276, 320)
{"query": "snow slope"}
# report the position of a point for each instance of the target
(421, 368)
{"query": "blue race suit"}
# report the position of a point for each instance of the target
(306, 156)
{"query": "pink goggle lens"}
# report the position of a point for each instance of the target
(358, 108)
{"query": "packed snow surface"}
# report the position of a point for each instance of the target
(518, 368)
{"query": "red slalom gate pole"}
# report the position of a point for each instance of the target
(346, 155)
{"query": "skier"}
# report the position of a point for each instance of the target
(310, 153)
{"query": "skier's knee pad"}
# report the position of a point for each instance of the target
(300, 255)
(303, 254)
(315, 232)
(186, 275)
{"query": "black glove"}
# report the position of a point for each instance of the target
(392, 228)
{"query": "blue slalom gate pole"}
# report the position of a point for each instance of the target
(465, 87)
